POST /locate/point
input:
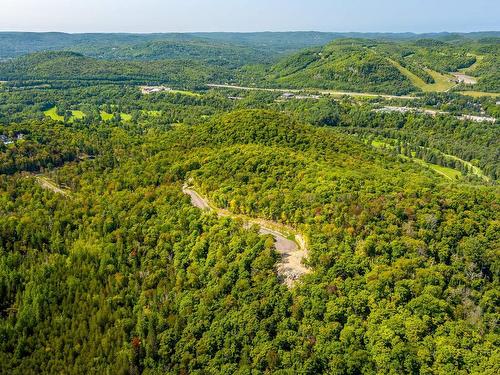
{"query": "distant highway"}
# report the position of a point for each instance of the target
(322, 92)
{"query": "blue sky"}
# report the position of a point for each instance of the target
(249, 15)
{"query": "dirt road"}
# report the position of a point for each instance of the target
(48, 184)
(292, 251)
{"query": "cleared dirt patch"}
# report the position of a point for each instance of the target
(48, 184)
(464, 78)
(292, 251)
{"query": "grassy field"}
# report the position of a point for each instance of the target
(450, 173)
(52, 113)
(78, 115)
(475, 170)
(151, 113)
(445, 171)
(105, 116)
(442, 83)
(182, 92)
(479, 94)
(126, 116)
(380, 144)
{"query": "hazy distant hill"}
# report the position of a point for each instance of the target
(71, 66)
(392, 64)
(17, 43)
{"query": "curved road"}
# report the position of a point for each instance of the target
(292, 252)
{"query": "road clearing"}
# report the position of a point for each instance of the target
(48, 184)
(292, 252)
(322, 92)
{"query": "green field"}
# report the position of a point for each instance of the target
(380, 144)
(442, 83)
(126, 116)
(151, 113)
(183, 92)
(52, 113)
(105, 116)
(78, 115)
(479, 94)
(449, 173)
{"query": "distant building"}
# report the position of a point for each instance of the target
(5, 140)
(307, 97)
(289, 95)
(154, 89)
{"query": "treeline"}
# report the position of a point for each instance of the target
(46, 67)
(473, 142)
(350, 64)
(42, 146)
(476, 143)
(418, 70)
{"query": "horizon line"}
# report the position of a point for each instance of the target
(248, 32)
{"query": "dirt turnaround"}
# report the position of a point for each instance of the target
(292, 252)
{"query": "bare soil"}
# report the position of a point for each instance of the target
(292, 252)
(48, 184)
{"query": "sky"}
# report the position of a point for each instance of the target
(146, 16)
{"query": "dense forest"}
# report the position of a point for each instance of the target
(383, 65)
(13, 44)
(390, 67)
(106, 266)
(47, 67)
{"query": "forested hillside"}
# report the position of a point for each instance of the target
(123, 275)
(344, 65)
(383, 65)
(396, 67)
(71, 66)
(13, 44)
(109, 266)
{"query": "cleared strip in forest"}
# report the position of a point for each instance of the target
(48, 184)
(442, 82)
(292, 251)
(442, 170)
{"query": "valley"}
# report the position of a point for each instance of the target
(249, 203)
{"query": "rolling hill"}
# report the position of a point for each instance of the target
(341, 65)
(71, 66)
(390, 67)
(106, 266)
